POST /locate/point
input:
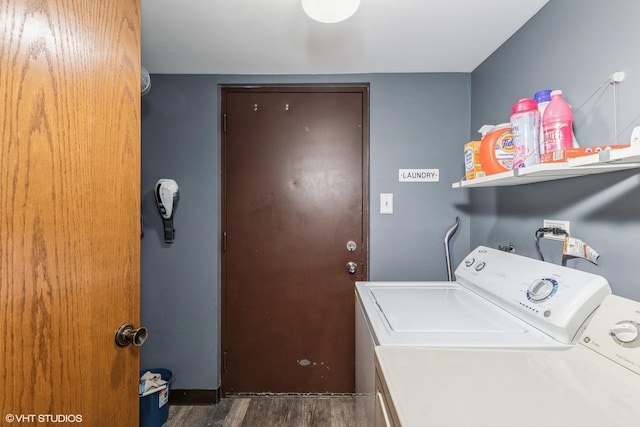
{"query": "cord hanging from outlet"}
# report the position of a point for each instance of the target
(551, 229)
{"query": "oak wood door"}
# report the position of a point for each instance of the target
(295, 185)
(69, 210)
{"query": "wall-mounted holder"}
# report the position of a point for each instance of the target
(167, 197)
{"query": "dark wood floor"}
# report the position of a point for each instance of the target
(271, 411)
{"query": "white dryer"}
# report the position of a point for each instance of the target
(499, 300)
(596, 383)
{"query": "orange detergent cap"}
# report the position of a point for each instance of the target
(496, 150)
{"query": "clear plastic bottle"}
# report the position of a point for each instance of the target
(557, 124)
(525, 124)
(542, 98)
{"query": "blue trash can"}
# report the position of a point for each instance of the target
(154, 407)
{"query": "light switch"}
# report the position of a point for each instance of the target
(386, 203)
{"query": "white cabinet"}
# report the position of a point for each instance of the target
(385, 414)
(603, 162)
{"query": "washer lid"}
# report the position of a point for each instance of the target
(443, 314)
(434, 308)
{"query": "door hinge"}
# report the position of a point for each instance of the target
(224, 123)
(224, 242)
(224, 362)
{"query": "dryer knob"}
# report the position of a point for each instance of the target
(625, 331)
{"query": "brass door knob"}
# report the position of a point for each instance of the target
(129, 334)
(352, 267)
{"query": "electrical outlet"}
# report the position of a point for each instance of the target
(554, 223)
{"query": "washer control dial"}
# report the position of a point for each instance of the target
(625, 331)
(542, 289)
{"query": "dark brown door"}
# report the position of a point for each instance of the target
(69, 210)
(295, 178)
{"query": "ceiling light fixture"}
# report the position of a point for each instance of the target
(330, 11)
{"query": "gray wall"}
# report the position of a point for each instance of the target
(417, 121)
(573, 45)
(179, 282)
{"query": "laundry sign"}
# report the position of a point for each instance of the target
(419, 175)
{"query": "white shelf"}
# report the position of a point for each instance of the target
(622, 155)
(603, 162)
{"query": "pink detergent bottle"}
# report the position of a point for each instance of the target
(557, 124)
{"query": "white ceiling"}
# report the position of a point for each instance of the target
(276, 37)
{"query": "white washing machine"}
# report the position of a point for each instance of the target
(596, 383)
(499, 300)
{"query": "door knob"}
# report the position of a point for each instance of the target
(129, 334)
(625, 331)
(352, 267)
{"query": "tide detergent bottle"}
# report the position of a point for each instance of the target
(496, 149)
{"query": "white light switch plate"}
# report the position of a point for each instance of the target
(386, 203)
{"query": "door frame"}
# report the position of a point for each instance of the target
(278, 88)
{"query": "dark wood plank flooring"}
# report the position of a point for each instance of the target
(271, 411)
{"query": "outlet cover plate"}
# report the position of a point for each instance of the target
(554, 223)
(386, 203)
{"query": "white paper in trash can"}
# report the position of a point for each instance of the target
(150, 383)
(155, 390)
(163, 398)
